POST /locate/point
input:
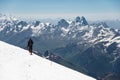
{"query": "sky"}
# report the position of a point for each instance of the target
(93, 9)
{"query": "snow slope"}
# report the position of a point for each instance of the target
(17, 64)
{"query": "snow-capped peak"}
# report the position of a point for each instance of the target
(81, 21)
(77, 19)
(8, 17)
(63, 23)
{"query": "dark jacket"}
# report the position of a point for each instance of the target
(30, 43)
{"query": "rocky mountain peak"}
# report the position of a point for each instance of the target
(63, 23)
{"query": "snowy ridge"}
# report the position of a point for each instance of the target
(51, 36)
(76, 29)
(17, 64)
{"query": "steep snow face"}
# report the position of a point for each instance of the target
(17, 64)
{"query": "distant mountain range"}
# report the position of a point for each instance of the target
(96, 47)
(111, 23)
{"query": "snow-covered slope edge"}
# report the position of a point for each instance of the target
(17, 64)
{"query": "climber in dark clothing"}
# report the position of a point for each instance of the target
(30, 45)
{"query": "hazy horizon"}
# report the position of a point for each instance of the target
(91, 9)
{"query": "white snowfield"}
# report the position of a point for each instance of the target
(17, 64)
